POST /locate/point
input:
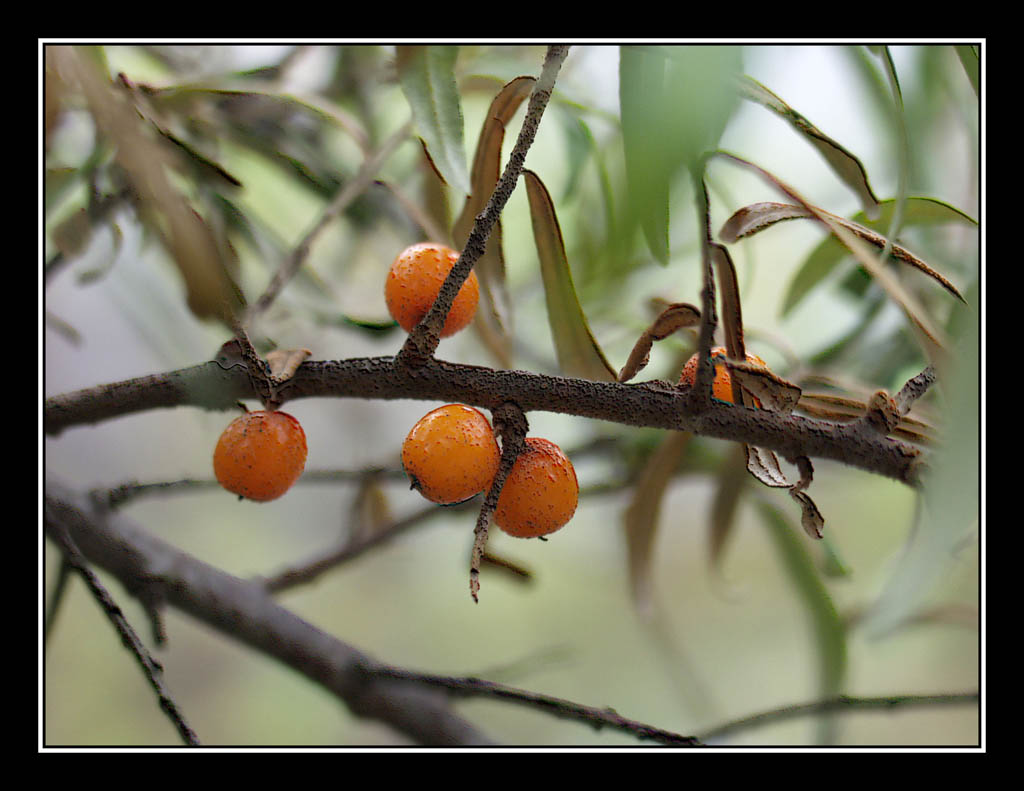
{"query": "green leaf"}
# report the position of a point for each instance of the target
(949, 511)
(674, 104)
(968, 55)
(827, 626)
(427, 77)
(844, 164)
(577, 350)
(824, 258)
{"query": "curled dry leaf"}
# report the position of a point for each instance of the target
(756, 217)
(764, 465)
(674, 317)
(284, 362)
(774, 392)
(811, 519)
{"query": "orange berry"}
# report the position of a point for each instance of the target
(541, 492)
(451, 454)
(721, 387)
(415, 280)
(260, 455)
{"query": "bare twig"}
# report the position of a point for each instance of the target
(58, 531)
(352, 190)
(843, 703)
(558, 707)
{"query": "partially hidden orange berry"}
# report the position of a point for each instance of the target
(541, 492)
(260, 455)
(451, 454)
(414, 281)
(721, 387)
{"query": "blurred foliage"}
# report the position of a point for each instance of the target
(219, 170)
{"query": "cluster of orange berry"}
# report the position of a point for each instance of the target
(451, 454)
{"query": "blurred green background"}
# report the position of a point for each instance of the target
(721, 642)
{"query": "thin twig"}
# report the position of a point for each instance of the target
(151, 668)
(423, 340)
(558, 707)
(352, 190)
(843, 703)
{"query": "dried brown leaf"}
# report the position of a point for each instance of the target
(284, 362)
(775, 393)
(674, 317)
(758, 216)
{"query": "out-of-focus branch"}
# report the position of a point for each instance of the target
(245, 611)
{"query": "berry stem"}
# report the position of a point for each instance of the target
(511, 425)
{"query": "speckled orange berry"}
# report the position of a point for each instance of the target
(721, 387)
(415, 280)
(260, 455)
(541, 492)
(451, 454)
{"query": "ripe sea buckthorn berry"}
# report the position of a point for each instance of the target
(260, 455)
(541, 492)
(451, 454)
(721, 387)
(414, 281)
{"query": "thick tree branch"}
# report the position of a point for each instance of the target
(648, 404)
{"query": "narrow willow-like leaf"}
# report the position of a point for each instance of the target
(648, 174)
(210, 291)
(844, 164)
(490, 268)
(758, 216)
(829, 633)
(577, 350)
(674, 104)
(968, 54)
(732, 314)
(427, 77)
(919, 212)
(950, 509)
(932, 337)
(640, 520)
